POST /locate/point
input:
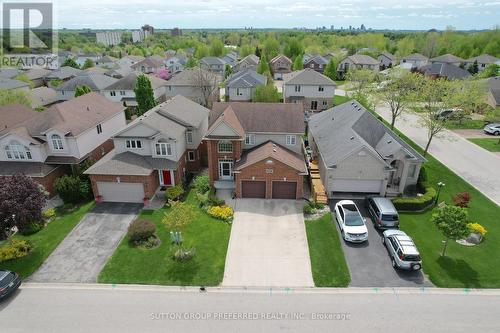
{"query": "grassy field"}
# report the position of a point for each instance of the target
(209, 236)
(46, 240)
(465, 124)
(327, 258)
(337, 100)
(492, 144)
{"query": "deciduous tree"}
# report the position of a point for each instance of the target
(82, 90)
(71, 63)
(452, 222)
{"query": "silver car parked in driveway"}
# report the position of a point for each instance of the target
(402, 250)
(382, 212)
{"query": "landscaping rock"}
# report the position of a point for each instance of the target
(475, 238)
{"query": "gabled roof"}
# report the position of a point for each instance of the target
(9, 73)
(416, 56)
(318, 59)
(227, 118)
(388, 55)
(13, 114)
(307, 76)
(484, 59)
(274, 151)
(107, 59)
(43, 96)
(363, 59)
(280, 57)
(212, 61)
(64, 72)
(495, 93)
(449, 71)
(188, 77)
(12, 84)
(246, 79)
(251, 59)
(94, 81)
(37, 73)
(129, 82)
(447, 58)
(348, 128)
(264, 117)
(152, 61)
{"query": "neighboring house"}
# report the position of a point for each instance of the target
(214, 65)
(447, 59)
(150, 65)
(44, 145)
(37, 76)
(317, 63)
(446, 71)
(416, 60)
(155, 150)
(96, 70)
(123, 89)
(10, 73)
(197, 84)
(64, 74)
(231, 58)
(11, 84)
(256, 149)
(176, 64)
(251, 61)
(129, 60)
(356, 153)
(313, 90)
(342, 53)
(280, 65)
(387, 60)
(358, 61)
(81, 59)
(493, 96)
(240, 86)
(482, 61)
(43, 97)
(119, 72)
(106, 62)
(96, 82)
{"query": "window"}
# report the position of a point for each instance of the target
(297, 88)
(99, 129)
(321, 88)
(163, 149)
(239, 92)
(249, 139)
(325, 103)
(122, 93)
(314, 105)
(291, 140)
(134, 144)
(112, 93)
(57, 142)
(225, 147)
(169, 88)
(191, 156)
(189, 136)
(16, 151)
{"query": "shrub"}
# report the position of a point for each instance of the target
(16, 249)
(213, 200)
(462, 199)
(203, 198)
(221, 212)
(184, 254)
(416, 203)
(174, 192)
(72, 189)
(201, 184)
(309, 209)
(49, 213)
(31, 228)
(477, 228)
(140, 230)
(422, 176)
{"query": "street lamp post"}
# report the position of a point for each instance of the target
(440, 186)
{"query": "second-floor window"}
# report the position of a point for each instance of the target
(189, 136)
(239, 92)
(291, 140)
(321, 88)
(297, 88)
(99, 129)
(163, 149)
(134, 144)
(16, 151)
(249, 139)
(225, 147)
(112, 93)
(122, 92)
(57, 143)
(314, 105)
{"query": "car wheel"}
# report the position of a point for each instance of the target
(497, 133)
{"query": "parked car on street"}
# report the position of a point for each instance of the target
(351, 223)
(492, 129)
(447, 114)
(9, 282)
(402, 250)
(382, 212)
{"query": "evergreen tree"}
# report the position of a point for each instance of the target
(263, 66)
(298, 63)
(474, 68)
(71, 63)
(144, 95)
(88, 64)
(257, 51)
(331, 69)
(82, 90)
(192, 62)
(228, 71)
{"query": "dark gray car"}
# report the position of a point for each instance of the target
(382, 212)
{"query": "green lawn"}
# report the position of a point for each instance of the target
(337, 100)
(209, 236)
(46, 240)
(340, 82)
(488, 144)
(465, 124)
(327, 258)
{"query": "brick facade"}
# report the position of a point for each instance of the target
(96, 154)
(151, 183)
(214, 156)
(48, 181)
(259, 171)
(306, 102)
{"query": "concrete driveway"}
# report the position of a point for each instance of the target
(83, 253)
(369, 263)
(268, 245)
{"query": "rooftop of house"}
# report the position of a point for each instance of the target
(307, 76)
(9, 73)
(281, 57)
(95, 81)
(251, 59)
(349, 127)
(246, 79)
(64, 72)
(449, 71)
(12, 84)
(129, 82)
(388, 55)
(153, 61)
(484, 59)
(43, 96)
(212, 61)
(363, 59)
(447, 58)
(416, 56)
(37, 73)
(191, 77)
(316, 59)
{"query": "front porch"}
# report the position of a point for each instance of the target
(225, 184)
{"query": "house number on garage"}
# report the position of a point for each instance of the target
(269, 170)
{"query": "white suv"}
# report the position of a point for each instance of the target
(352, 225)
(402, 250)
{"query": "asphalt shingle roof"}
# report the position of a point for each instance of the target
(307, 76)
(12, 84)
(246, 79)
(129, 82)
(363, 59)
(94, 81)
(447, 58)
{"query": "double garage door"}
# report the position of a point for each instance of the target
(257, 189)
(121, 192)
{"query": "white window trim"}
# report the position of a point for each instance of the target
(128, 144)
(291, 140)
(193, 154)
(187, 137)
(18, 152)
(250, 139)
(57, 143)
(167, 145)
(224, 151)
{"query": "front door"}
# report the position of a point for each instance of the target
(167, 177)
(225, 170)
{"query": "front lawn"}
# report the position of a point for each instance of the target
(464, 124)
(488, 144)
(329, 267)
(46, 240)
(337, 99)
(209, 236)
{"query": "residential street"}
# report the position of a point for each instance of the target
(106, 308)
(477, 166)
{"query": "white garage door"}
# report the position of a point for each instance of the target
(121, 192)
(357, 185)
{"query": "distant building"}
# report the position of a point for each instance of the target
(109, 38)
(148, 28)
(138, 36)
(175, 32)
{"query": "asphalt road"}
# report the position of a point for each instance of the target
(155, 309)
(369, 262)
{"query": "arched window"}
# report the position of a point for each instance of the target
(17, 151)
(57, 143)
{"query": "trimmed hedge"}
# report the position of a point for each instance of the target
(417, 203)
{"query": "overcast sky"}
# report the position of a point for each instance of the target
(391, 14)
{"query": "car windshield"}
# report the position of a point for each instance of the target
(389, 217)
(352, 216)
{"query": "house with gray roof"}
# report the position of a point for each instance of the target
(416, 60)
(251, 61)
(154, 151)
(10, 73)
(176, 64)
(149, 65)
(11, 84)
(129, 60)
(444, 70)
(387, 60)
(213, 64)
(310, 88)
(358, 61)
(240, 86)
(356, 153)
(483, 61)
(44, 145)
(64, 73)
(316, 62)
(447, 59)
(37, 76)
(96, 82)
(197, 84)
(493, 96)
(43, 97)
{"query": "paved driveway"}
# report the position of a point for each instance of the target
(83, 253)
(268, 245)
(369, 262)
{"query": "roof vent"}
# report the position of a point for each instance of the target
(351, 138)
(389, 141)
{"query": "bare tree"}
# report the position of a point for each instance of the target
(207, 83)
